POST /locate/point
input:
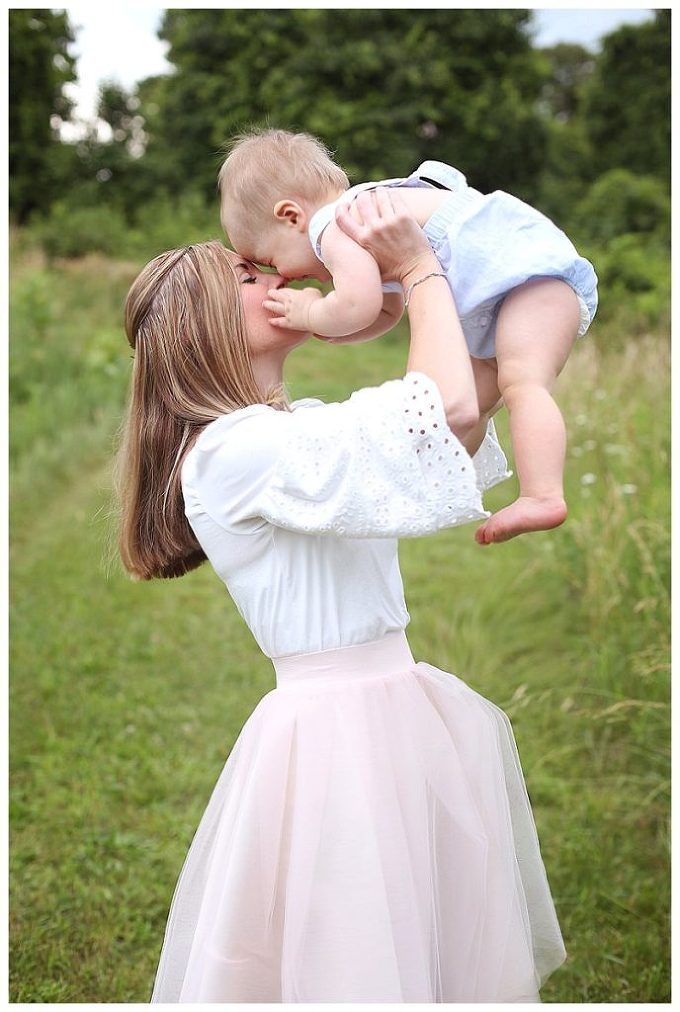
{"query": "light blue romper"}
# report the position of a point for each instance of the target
(487, 245)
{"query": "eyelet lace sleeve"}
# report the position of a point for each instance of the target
(490, 462)
(382, 464)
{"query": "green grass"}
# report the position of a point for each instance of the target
(126, 698)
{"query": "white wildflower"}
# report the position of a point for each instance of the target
(629, 489)
(588, 478)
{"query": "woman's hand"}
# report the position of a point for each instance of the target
(386, 228)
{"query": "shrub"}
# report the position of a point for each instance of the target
(72, 230)
(620, 203)
(165, 224)
(634, 282)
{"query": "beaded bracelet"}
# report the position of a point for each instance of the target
(433, 274)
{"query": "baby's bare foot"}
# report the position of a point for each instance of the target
(522, 516)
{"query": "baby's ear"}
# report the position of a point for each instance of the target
(290, 213)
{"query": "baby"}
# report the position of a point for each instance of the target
(522, 291)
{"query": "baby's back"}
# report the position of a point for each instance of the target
(423, 202)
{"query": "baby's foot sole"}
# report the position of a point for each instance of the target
(521, 517)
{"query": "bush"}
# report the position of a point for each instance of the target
(72, 230)
(619, 203)
(634, 283)
(623, 226)
(166, 224)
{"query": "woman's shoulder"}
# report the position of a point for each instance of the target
(246, 437)
(222, 427)
(261, 415)
(306, 402)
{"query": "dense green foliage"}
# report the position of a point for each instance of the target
(383, 88)
(628, 100)
(39, 66)
(583, 136)
(126, 698)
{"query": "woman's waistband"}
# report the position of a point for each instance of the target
(386, 656)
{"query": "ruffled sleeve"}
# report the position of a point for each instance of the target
(382, 464)
(491, 465)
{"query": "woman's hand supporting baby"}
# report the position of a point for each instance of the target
(383, 225)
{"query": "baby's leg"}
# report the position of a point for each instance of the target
(535, 331)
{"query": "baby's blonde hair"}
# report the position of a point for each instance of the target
(267, 165)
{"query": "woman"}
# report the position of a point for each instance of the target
(370, 837)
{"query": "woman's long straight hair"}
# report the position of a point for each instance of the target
(184, 320)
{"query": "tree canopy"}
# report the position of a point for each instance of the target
(628, 101)
(39, 66)
(384, 89)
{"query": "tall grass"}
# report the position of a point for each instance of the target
(125, 698)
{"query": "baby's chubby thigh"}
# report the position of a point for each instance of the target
(536, 327)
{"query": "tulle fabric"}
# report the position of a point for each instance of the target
(370, 839)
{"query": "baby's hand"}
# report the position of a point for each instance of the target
(292, 307)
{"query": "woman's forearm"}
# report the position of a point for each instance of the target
(438, 346)
(385, 226)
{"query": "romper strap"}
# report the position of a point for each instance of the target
(441, 175)
(433, 182)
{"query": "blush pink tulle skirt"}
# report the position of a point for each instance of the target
(370, 839)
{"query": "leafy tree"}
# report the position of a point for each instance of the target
(567, 168)
(383, 88)
(628, 100)
(39, 66)
(111, 156)
(621, 203)
(571, 66)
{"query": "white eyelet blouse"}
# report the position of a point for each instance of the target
(299, 511)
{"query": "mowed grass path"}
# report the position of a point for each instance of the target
(126, 698)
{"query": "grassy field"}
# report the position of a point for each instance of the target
(126, 698)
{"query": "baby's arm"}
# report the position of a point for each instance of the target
(355, 304)
(389, 316)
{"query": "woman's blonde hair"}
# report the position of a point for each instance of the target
(184, 319)
(267, 165)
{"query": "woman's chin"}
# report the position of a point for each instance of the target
(291, 338)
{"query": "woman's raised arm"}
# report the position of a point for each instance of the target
(383, 224)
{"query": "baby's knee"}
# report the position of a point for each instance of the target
(515, 386)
